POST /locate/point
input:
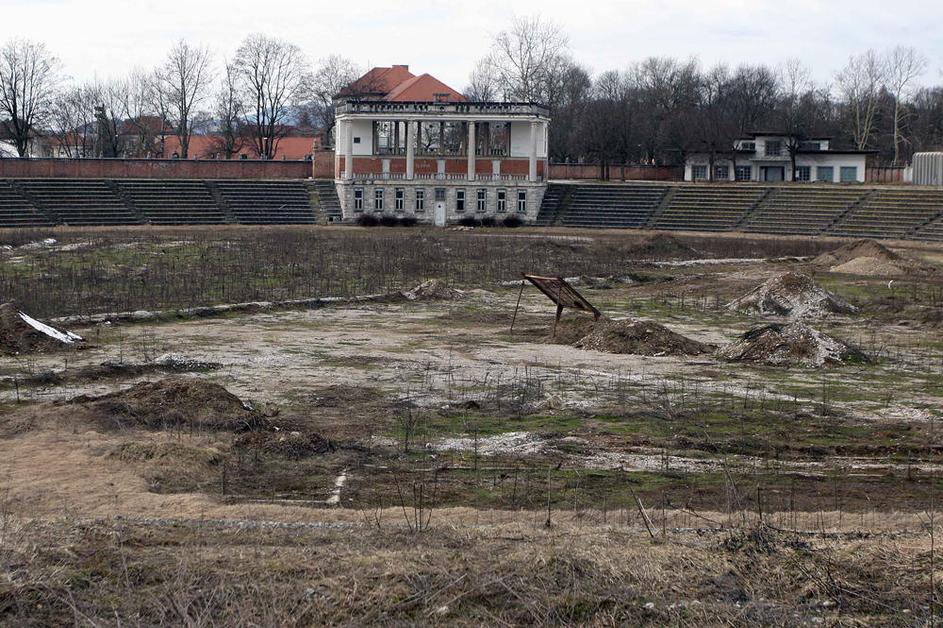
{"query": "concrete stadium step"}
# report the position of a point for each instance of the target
(78, 201)
(267, 202)
(615, 205)
(801, 210)
(701, 208)
(16, 211)
(892, 213)
(166, 202)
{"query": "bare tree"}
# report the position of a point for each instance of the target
(331, 75)
(182, 82)
(229, 112)
(29, 77)
(860, 83)
(904, 66)
(481, 84)
(796, 107)
(71, 122)
(523, 58)
(143, 115)
(272, 75)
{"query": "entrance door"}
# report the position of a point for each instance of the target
(439, 214)
(774, 173)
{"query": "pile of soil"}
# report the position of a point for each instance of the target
(869, 258)
(662, 245)
(433, 290)
(287, 444)
(628, 336)
(170, 404)
(17, 336)
(792, 294)
(794, 344)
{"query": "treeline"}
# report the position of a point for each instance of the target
(654, 111)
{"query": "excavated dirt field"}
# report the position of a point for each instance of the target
(698, 415)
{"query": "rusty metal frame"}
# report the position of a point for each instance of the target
(558, 290)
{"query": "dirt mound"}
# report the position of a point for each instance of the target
(627, 336)
(792, 294)
(172, 404)
(433, 290)
(662, 245)
(795, 344)
(20, 333)
(288, 444)
(870, 258)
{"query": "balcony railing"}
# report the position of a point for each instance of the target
(470, 108)
(493, 153)
(438, 176)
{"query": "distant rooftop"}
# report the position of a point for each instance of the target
(397, 84)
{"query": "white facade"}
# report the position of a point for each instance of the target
(766, 158)
(460, 158)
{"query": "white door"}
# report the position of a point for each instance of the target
(440, 214)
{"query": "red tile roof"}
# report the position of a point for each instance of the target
(397, 84)
(206, 146)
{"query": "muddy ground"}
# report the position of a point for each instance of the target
(346, 413)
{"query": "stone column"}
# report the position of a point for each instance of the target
(471, 150)
(410, 149)
(532, 165)
(348, 150)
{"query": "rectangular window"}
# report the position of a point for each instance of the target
(459, 200)
(810, 146)
(774, 148)
(420, 200)
(522, 201)
(378, 199)
(399, 199)
(803, 173)
(502, 201)
(744, 173)
(825, 174)
(440, 195)
(358, 199)
(849, 174)
(699, 173)
(721, 173)
(482, 200)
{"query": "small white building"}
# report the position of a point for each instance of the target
(765, 157)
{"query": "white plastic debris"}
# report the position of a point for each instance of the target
(62, 336)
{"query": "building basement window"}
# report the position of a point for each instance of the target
(358, 199)
(378, 199)
(420, 200)
(502, 201)
(522, 201)
(460, 200)
(482, 199)
(399, 199)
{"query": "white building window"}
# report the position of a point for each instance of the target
(440, 195)
(825, 174)
(721, 173)
(399, 199)
(522, 201)
(699, 173)
(420, 200)
(743, 173)
(774, 148)
(378, 199)
(482, 200)
(849, 174)
(358, 199)
(502, 201)
(803, 173)
(460, 200)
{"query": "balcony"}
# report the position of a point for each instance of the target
(471, 109)
(444, 153)
(439, 176)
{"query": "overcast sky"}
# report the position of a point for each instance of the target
(445, 37)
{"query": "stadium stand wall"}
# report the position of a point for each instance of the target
(154, 169)
(905, 212)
